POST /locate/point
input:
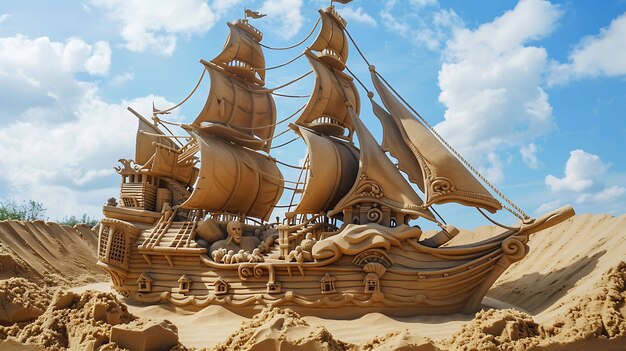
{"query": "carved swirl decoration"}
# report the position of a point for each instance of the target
(370, 188)
(247, 271)
(514, 249)
(375, 215)
(441, 186)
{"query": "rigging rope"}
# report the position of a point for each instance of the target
(277, 123)
(493, 221)
(286, 143)
(166, 128)
(159, 112)
(438, 215)
(286, 84)
(288, 165)
(291, 96)
(357, 47)
(295, 45)
(164, 136)
(358, 80)
(281, 65)
(277, 135)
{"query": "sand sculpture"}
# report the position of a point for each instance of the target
(192, 224)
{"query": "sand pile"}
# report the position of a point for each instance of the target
(21, 300)
(48, 253)
(596, 319)
(280, 329)
(86, 321)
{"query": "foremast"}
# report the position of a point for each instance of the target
(364, 185)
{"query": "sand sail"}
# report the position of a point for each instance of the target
(430, 164)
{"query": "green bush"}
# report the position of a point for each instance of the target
(73, 220)
(24, 211)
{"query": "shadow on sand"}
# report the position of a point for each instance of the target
(535, 292)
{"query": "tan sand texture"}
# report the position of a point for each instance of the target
(568, 294)
(48, 253)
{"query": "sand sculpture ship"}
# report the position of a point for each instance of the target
(191, 226)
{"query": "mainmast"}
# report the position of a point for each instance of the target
(239, 109)
(238, 118)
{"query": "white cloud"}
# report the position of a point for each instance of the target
(38, 74)
(156, 24)
(491, 83)
(391, 22)
(603, 54)
(529, 155)
(286, 13)
(58, 139)
(424, 23)
(4, 17)
(122, 78)
(357, 15)
(424, 3)
(100, 61)
(493, 169)
(607, 195)
(548, 206)
(583, 171)
(58, 163)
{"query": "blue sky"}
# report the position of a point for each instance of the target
(533, 93)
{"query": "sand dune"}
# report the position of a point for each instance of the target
(567, 294)
(49, 253)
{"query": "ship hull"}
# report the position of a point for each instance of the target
(415, 279)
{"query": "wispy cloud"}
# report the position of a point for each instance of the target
(357, 15)
(603, 54)
(155, 25)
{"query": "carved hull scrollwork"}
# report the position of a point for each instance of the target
(441, 186)
(515, 248)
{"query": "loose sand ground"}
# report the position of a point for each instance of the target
(567, 294)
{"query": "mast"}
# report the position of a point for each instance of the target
(361, 187)
(238, 108)
(238, 119)
(157, 155)
(325, 124)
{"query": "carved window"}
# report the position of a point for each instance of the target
(130, 201)
(117, 253)
(144, 283)
(371, 283)
(327, 284)
(184, 284)
(273, 288)
(220, 286)
(104, 240)
(393, 223)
